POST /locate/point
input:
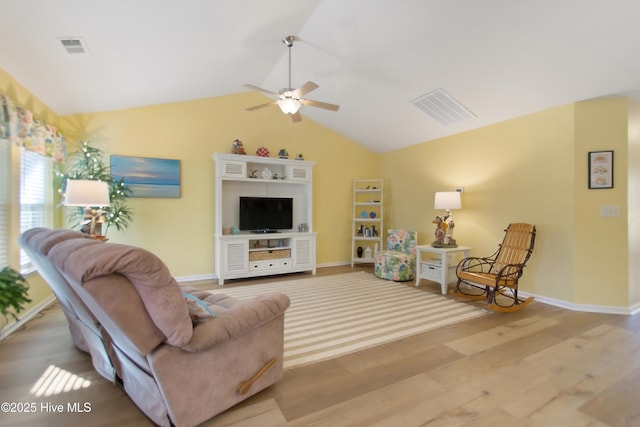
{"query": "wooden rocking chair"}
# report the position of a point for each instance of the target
(497, 276)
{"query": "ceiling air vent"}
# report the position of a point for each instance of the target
(74, 45)
(443, 107)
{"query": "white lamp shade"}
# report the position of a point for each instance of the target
(86, 192)
(289, 105)
(447, 200)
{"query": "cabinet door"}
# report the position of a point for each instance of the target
(304, 249)
(232, 169)
(236, 257)
(298, 173)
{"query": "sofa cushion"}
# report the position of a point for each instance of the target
(84, 260)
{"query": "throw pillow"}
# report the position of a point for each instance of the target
(199, 311)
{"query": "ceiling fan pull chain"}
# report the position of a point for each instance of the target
(290, 68)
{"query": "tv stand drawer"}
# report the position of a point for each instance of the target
(283, 264)
(269, 254)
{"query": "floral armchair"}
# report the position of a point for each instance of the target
(398, 262)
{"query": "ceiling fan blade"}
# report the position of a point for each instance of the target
(296, 117)
(265, 91)
(305, 88)
(326, 106)
(257, 107)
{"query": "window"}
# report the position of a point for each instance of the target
(5, 200)
(36, 196)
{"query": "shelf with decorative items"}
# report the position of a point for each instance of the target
(243, 253)
(242, 167)
(368, 214)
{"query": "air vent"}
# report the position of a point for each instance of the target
(74, 45)
(443, 107)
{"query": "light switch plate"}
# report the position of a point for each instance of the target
(609, 210)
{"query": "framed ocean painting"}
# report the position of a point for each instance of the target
(148, 177)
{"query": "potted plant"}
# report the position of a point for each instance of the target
(13, 293)
(88, 163)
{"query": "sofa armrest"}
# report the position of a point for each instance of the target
(236, 320)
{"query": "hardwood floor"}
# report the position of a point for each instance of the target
(544, 366)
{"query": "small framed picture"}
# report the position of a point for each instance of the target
(600, 169)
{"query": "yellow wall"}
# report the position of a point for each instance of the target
(530, 169)
(516, 171)
(601, 244)
(180, 231)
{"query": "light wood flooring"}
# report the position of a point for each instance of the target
(544, 366)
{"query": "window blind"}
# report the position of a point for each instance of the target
(5, 200)
(36, 196)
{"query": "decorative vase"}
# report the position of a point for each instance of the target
(367, 253)
(359, 251)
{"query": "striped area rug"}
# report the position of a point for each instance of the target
(331, 316)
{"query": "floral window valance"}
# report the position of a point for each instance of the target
(19, 126)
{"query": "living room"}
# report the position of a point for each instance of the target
(571, 246)
(532, 168)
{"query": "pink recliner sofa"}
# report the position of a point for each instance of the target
(129, 313)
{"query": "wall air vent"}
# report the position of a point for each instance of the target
(443, 107)
(74, 45)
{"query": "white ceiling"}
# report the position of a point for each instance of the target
(500, 58)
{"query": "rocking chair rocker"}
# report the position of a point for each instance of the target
(497, 276)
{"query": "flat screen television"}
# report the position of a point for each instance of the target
(266, 214)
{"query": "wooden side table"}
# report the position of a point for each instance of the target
(438, 264)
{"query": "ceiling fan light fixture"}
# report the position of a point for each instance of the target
(289, 105)
(288, 99)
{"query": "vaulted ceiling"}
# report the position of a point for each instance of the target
(499, 58)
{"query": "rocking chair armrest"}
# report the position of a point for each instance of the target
(510, 271)
(476, 264)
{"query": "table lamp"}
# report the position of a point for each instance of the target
(446, 200)
(88, 194)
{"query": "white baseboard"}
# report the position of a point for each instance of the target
(27, 315)
(629, 311)
(334, 264)
(196, 278)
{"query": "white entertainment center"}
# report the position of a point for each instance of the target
(240, 254)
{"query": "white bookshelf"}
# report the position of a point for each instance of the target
(368, 219)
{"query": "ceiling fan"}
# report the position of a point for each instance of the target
(288, 99)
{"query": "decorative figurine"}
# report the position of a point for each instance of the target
(300, 157)
(283, 153)
(444, 233)
(252, 174)
(237, 147)
(263, 152)
(441, 232)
